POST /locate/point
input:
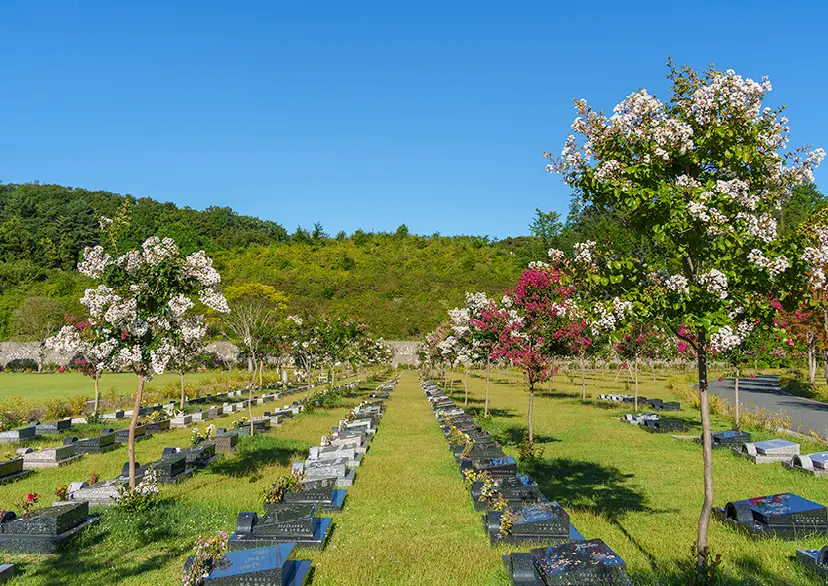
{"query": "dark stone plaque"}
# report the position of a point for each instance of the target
(576, 562)
(785, 515)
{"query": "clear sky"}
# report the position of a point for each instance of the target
(357, 114)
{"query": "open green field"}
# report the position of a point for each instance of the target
(37, 387)
(408, 519)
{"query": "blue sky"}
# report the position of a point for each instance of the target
(362, 115)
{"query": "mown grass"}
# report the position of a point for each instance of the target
(409, 520)
(60, 385)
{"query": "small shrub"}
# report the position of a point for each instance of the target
(62, 492)
(208, 553)
(706, 573)
(507, 519)
(21, 365)
(529, 451)
(275, 493)
(143, 497)
(56, 409)
(29, 504)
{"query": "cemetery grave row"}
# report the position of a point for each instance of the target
(44, 530)
(517, 512)
(260, 546)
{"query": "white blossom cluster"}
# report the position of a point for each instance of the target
(538, 265)
(725, 339)
(677, 284)
(774, 267)
(476, 302)
(149, 483)
(556, 256)
(295, 319)
(728, 92)
(584, 252)
(715, 282)
(609, 314)
(817, 258)
(762, 226)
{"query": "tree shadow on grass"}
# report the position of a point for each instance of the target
(682, 573)
(513, 436)
(257, 452)
(601, 490)
(493, 412)
(553, 394)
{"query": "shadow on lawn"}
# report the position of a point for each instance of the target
(494, 412)
(681, 575)
(601, 490)
(513, 436)
(254, 453)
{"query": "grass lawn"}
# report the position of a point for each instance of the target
(409, 520)
(39, 387)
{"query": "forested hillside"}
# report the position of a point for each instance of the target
(401, 284)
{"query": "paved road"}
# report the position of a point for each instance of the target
(763, 391)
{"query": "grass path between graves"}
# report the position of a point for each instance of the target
(150, 549)
(408, 519)
(639, 492)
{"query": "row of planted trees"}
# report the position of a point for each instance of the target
(700, 181)
(150, 310)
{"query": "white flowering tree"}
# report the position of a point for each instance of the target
(190, 346)
(700, 178)
(144, 309)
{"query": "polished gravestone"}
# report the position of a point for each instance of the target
(49, 457)
(815, 560)
(320, 470)
(664, 425)
(181, 421)
(54, 426)
(538, 522)
(157, 426)
(784, 515)
(114, 415)
(6, 572)
(815, 464)
(579, 563)
(20, 434)
(44, 530)
(12, 470)
(478, 451)
(199, 456)
(768, 452)
(640, 418)
(281, 523)
(659, 405)
(497, 467)
(94, 445)
(172, 469)
(225, 441)
(100, 493)
(263, 566)
(327, 498)
(141, 433)
(730, 438)
(516, 489)
(317, 453)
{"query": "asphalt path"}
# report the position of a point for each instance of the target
(764, 392)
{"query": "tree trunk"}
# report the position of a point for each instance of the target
(635, 392)
(620, 370)
(583, 379)
(654, 377)
(707, 448)
(812, 359)
(531, 405)
(97, 394)
(825, 331)
(333, 378)
(736, 391)
(249, 363)
(261, 374)
(250, 409)
(181, 405)
(132, 425)
(486, 402)
(466, 387)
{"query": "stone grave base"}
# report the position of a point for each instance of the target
(15, 477)
(321, 531)
(32, 543)
(760, 458)
(294, 573)
(102, 450)
(56, 464)
(125, 439)
(816, 472)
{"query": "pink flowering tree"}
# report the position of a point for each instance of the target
(79, 339)
(144, 309)
(700, 178)
(484, 334)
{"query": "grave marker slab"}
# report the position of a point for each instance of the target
(576, 562)
(51, 457)
(96, 445)
(141, 433)
(538, 522)
(815, 464)
(786, 515)
(282, 523)
(815, 560)
(54, 426)
(730, 438)
(12, 470)
(769, 451)
(262, 566)
(45, 530)
(16, 435)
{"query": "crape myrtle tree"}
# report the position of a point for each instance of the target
(145, 307)
(483, 334)
(700, 178)
(190, 347)
(637, 341)
(461, 332)
(80, 340)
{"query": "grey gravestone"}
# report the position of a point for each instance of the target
(326, 498)
(182, 421)
(173, 469)
(504, 466)
(639, 418)
(517, 489)
(664, 425)
(97, 445)
(814, 559)
(12, 470)
(54, 426)
(226, 442)
(577, 562)
(6, 572)
(115, 415)
(263, 566)
(51, 457)
(815, 464)
(282, 523)
(100, 493)
(45, 530)
(538, 522)
(157, 426)
(785, 515)
(335, 452)
(141, 432)
(16, 435)
(768, 452)
(324, 472)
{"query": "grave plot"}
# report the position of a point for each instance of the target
(44, 530)
(815, 464)
(730, 438)
(49, 457)
(584, 563)
(815, 560)
(785, 516)
(263, 565)
(768, 452)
